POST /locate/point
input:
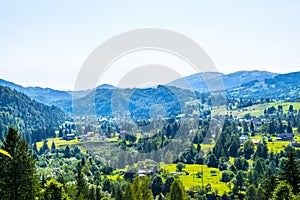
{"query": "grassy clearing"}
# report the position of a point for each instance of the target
(256, 110)
(209, 178)
(58, 142)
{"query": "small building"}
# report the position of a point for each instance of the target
(285, 136)
(255, 141)
(70, 136)
(142, 173)
(243, 139)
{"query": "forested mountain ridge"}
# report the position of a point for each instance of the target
(281, 87)
(107, 102)
(198, 81)
(44, 95)
(34, 120)
(246, 84)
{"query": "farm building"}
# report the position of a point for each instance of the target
(285, 136)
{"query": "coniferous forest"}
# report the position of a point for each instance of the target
(48, 153)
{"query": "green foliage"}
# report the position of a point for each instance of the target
(227, 176)
(283, 191)
(291, 172)
(129, 193)
(180, 167)
(177, 191)
(53, 190)
(34, 120)
(248, 149)
(157, 185)
(212, 161)
(82, 187)
(17, 175)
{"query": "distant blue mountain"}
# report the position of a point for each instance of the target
(44, 95)
(198, 82)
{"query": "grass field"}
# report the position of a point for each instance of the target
(256, 110)
(57, 142)
(209, 178)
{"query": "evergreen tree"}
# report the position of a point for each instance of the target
(129, 193)
(291, 108)
(233, 148)
(44, 148)
(136, 185)
(67, 152)
(53, 190)
(53, 147)
(248, 149)
(251, 193)
(261, 151)
(252, 128)
(212, 161)
(289, 128)
(283, 191)
(157, 185)
(82, 187)
(291, 172)
(239, 181)
(177, 191)
(17, 175)
(245, 127)
(145, 189)
(167, 185)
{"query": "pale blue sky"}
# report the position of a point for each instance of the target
(45, 42)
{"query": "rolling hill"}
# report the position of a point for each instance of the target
(198, 81)
(33, 119)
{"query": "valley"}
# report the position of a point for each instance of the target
(109, 140)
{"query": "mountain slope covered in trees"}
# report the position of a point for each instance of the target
(198, 81)
(35, 120)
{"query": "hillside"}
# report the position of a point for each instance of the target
(139, 102)
(198, 81)
(30, 117)
(281, 87)
(44, 95)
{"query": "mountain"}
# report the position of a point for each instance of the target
(134, 103)
(44, 95)
(280, 87)
(34, 120)
(198, 82)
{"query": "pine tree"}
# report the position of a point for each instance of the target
(129, 193)
(289, 128)
(251, 193)
(283, 191)
(53, 147)
(291, 171)
(17, 175)
(248, 149)
(53, 190)
(177, 191)
(145, 189)
(157, 185)
(67, 152)
(82, 187)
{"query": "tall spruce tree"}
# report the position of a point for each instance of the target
(291, 171)
(18, 180)
(177, 191)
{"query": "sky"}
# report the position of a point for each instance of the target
(45, 43)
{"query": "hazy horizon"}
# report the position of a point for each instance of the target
(45, 43)
(114, 85)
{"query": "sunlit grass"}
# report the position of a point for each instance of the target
(209, 178)
(256, 110)
(58, 142)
